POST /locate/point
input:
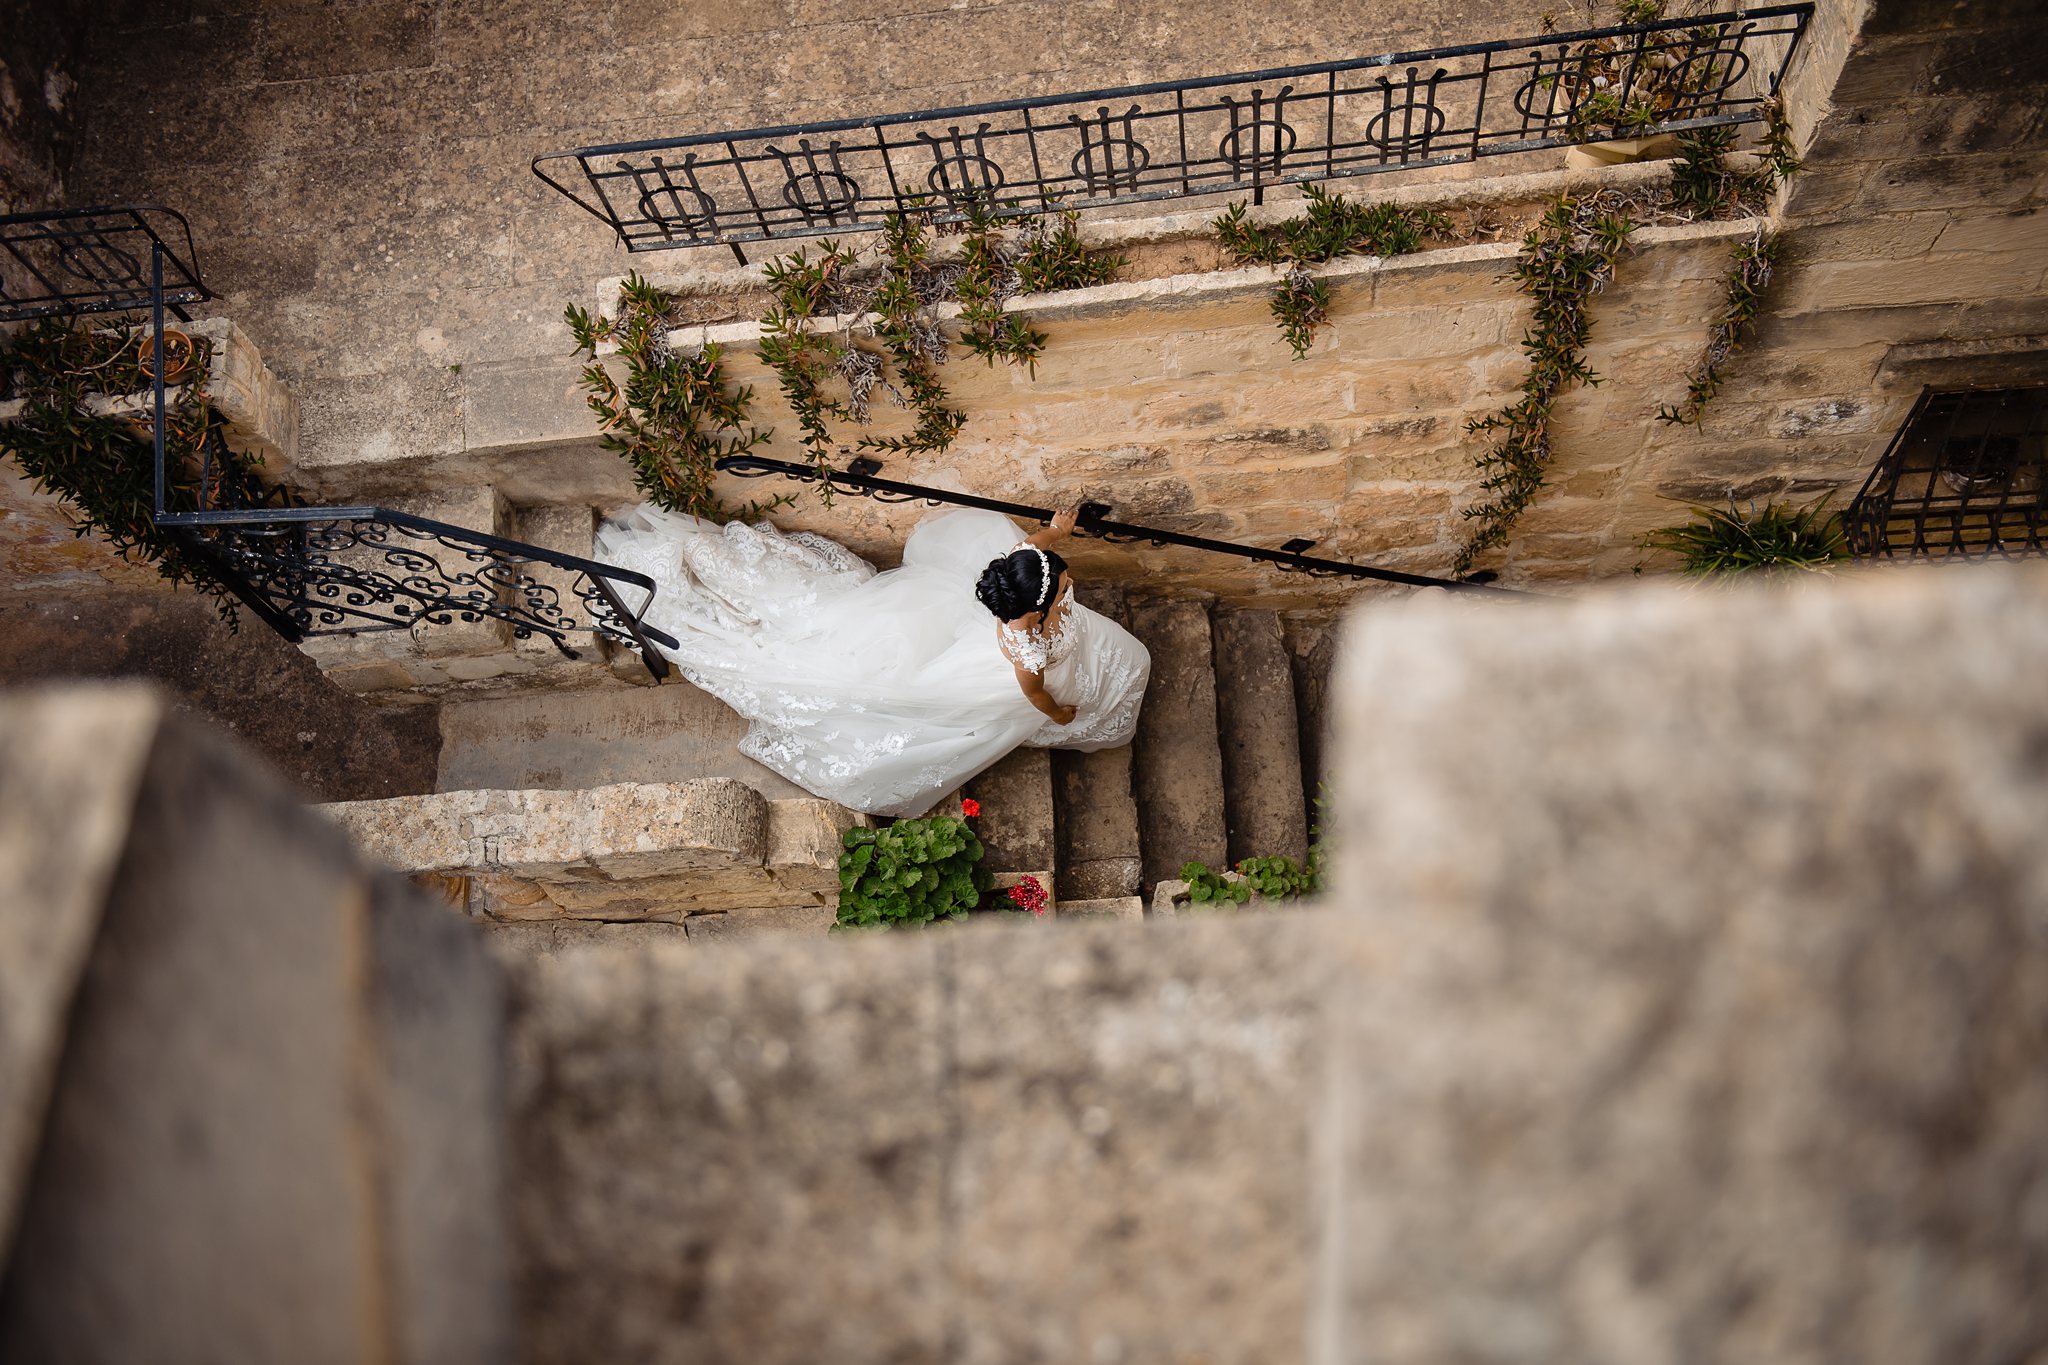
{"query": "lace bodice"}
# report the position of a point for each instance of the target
(1036, 650)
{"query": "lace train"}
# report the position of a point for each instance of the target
(881, 691)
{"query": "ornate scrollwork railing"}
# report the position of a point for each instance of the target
(307, 570)
(860, 479)
(345, 570)
(1236, 134)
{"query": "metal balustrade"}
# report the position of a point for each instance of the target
(1236, 134)
(307, 570)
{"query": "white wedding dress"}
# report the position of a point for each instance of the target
(881, 691)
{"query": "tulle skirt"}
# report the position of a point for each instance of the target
(881, 691)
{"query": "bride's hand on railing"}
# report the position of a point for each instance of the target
(1062, 526)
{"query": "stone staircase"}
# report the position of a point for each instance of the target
(1223, 767)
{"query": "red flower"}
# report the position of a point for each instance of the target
(970, 807)
(1029, 895)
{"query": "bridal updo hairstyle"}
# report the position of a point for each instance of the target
(1016, 584)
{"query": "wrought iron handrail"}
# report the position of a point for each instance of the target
(310, 570)
(68, 261)
(1233, 134)
(860, 480)
(1965, 476)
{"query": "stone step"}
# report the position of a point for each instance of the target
(569, 741)
(1095, 813)
(1016, 820)
(1260, 741)
(1176, 762)
(1106, 907)
(1313, 650)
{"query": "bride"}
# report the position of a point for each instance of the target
(886, 691)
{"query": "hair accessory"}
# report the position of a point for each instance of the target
(1044, 578)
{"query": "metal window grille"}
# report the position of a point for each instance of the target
(1233, 134)
(1964, 478)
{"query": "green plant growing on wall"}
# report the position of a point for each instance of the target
(1330, 226)
(914, 872)
(900, 288)
(1748, 277)
(1565, 260)
(675, 416)
(1705, 183)
(102, 464)
(1055, 258)
(1774, 537)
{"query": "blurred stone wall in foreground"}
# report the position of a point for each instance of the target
(1683, 998)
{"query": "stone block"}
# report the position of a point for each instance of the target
(709, 1164)
(1746, 980)
(1163, 1084)
(516, 404)
(1260, 738)
(531, 939)
(1016, 820)
(279, 1085)
(83, 754)
(1107, 907)
(738, 926)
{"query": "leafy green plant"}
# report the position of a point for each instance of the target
(1209, 887)
(913, 339)
(102, 463)
(676, 415)
(1566, 259)
(1054, 257)
(1301, 303)
(1748, 278)
(912, 872)
(1774, 537)
(1706, 184)
(987, 278)
(1329, 227)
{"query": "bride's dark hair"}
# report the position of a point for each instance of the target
(1017, 583)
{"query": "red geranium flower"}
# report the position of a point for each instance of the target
(1029, 895)
(970, 807)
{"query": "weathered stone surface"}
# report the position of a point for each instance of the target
(709, 1164)
(629, 829)
(1101, 907)
(1162, 1083)
(739, 926)
(1260, 738)
(1731, 1037)
(536, 938)
(1176, 767)
(1016, 820)
(579, 739)
(276, 1116)
(58, 850)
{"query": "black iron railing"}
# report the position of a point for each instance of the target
(70, 261)
(311, 570)
(1966, 477)
(1234, 134)
(861, 479)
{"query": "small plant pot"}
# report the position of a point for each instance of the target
(179, 353)
(1621, 151)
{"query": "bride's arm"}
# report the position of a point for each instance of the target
(1045, 537)
(1033, 685)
